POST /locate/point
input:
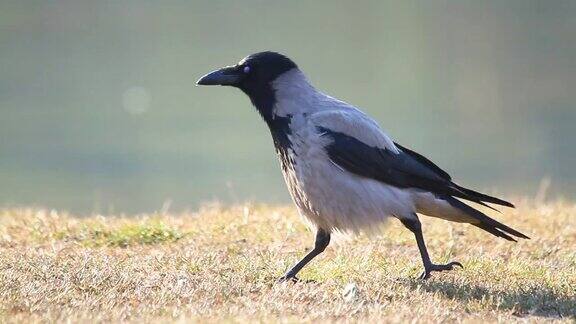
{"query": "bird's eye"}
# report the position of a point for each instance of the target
(246, 69)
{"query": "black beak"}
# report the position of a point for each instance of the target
(227, 76)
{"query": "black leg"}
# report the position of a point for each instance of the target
(415, 227)
(322, 241)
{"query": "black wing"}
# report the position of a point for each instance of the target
(406, 169)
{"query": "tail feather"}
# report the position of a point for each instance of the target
(486, 223)
(477, 196)
(494, 231)
(457, 192)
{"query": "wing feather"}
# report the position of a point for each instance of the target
(359, 146)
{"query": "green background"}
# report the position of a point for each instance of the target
(99, 111)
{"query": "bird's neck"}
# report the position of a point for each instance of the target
(289, 94)
(293, 94)
(278, 101)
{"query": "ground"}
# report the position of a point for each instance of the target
(221, 263)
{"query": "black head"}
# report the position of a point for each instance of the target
(251, 72)
(254, 75)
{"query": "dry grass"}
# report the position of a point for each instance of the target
(220, 264)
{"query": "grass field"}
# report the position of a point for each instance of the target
(220, 264)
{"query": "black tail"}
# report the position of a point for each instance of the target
(486, 223)
(448, 187)
(478, 197)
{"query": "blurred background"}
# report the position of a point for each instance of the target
(99, 111)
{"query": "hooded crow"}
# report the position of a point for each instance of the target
(343, 172)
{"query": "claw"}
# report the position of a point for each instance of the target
(455, 263)
(293, 279)
(425, 275)
(439, 267)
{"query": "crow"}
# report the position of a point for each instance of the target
(343, 172)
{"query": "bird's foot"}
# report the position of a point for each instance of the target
(289, 278)
(293, 279)
(439, 267)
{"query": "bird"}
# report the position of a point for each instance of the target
(343, 172)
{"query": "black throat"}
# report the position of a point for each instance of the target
(264, 99)
(265, 68)
(280, 130)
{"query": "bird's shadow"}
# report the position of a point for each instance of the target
(535, 301)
